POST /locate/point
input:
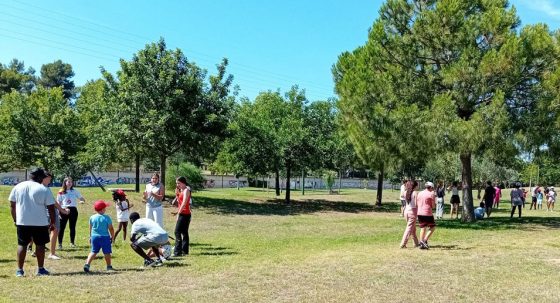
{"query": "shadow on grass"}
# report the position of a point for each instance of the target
(279, 208)
(7, 260)
(449, 247)
(206, 249)
(503, 223)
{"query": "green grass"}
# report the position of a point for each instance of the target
(249, 247)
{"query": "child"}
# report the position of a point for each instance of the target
(540, 197)
(479, 211)
(122, 205)
(100, 232)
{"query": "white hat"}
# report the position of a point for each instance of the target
(429, 184)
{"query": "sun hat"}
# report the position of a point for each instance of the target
(429, 184)
(100, 205)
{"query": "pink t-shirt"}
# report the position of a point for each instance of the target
(498, 194)
(425, 202)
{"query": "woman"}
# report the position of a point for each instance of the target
(183, 213)
(516, 199)
(455, 200)
(410, 214)
(68, 198)
(440, 192)
(153, 195)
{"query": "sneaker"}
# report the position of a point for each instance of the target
(20, 273)
(59, 246)
(86, 267)
(43, 272)
(149, 263)
(53, 257)
(423, 245)
(110, 268)
(162, 259)
(72, 245)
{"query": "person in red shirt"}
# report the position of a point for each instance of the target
(425, 202)
(183, 193)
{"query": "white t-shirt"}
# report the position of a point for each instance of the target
(31, 199)
(151, 190)
(122, 215)
(148, 228)
(403, 192)
(69, 199)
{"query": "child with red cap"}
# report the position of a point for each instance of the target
(123, 205)
(100, 234)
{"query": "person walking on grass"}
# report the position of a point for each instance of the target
(426, 203)
(68, 198)
(551, 198)
(516, 199)
(183, 214)
(410, 214)
(403, 196)
(455, 200)
(489, 195)
(440, 193)
(100, 234)
(122, 205)
(28, 201)
(147, 234)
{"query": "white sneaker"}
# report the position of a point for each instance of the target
(54, 257)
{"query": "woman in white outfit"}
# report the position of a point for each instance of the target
(153, 195)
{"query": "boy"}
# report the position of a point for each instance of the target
(479, 211)
(147, 234)
(100, 233)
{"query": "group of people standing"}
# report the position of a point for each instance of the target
(40, 219)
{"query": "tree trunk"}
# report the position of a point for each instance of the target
(162, 169)
(302, 183)
(379, 187)
(466, 173)
(277, 182)
(339, 181)
(137, 163)
(288, 171)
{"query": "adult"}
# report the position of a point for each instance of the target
(516, 199)
(28, 201)
(183, 217)
(455, 200)
(410, 214)
(489, 195)
(425, 203)
(147, 234)
(402, 196)
(68, 198)
(440, 194)
(153, 195)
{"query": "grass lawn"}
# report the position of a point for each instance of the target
(248, 247)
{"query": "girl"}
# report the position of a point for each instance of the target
(410, 214)
(123, 205)
(539, 199)
(183, 217)
(153, 195)
(68, 198)
(516, 199)
(455, 200)
(440, 192)
(551, 198)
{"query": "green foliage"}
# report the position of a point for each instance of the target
(14, 76)
(187, 170)
(58, 74)
(329, 178)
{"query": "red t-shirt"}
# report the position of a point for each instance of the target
(181, 199)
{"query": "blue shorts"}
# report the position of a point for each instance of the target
(101, 242)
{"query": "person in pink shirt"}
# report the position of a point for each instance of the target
(497, 196)
(425, 202)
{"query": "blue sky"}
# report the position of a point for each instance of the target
(270, 44)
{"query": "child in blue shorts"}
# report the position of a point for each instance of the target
(101, 233)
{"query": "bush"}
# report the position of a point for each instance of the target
(187, 170)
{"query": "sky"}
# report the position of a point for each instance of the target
(270, 45)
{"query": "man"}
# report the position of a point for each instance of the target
(425, 203)
(147, 234)
(28, 201)
(489, 194)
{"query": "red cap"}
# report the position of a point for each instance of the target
(120, 192)
(99, 205)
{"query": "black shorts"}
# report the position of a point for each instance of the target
(534, 199)
(455, 199)
(39, 234)
(428, 221)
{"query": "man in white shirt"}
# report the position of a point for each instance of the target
(28, 201)
(147, 234)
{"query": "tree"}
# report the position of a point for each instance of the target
(166, 105)
(58, 74)
(464, 67)
(40, 129)
(14, 76)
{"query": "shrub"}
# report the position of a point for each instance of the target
(187, 170)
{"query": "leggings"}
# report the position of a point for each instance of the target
(513, 210)
(182, 234)
(73, 217)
